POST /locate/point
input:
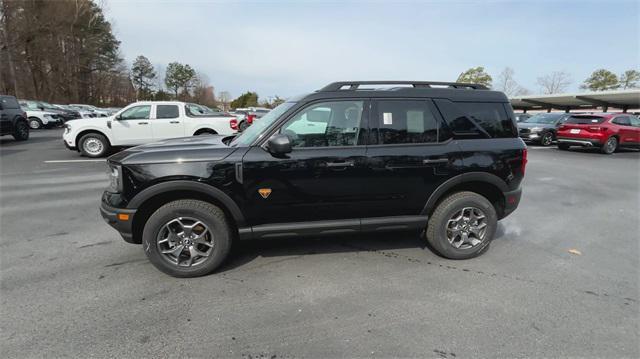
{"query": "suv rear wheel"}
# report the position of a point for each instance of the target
(94, 145)
(610, 146)
(462, 226)
(546, 139)
(187, 238)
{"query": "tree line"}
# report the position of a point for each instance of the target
(555, 82)
(66, 52)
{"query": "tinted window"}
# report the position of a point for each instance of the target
(477, 119)
(325, 124)
(9, 102)
(634, 121)
(622, 120)
(406, 122)
(136, 113)
(167, 111)
(584, 120)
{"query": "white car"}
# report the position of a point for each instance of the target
(141, 123)
(41, 119)
(98, 112)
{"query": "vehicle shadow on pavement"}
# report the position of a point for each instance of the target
(244, 252)
(10, 141)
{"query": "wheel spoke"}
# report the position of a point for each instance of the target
(175, 251)
(196, 252)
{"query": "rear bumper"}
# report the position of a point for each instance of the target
(585, 142)
(511, 201)
(112, 216)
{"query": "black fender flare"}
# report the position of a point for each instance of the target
(184, 185)
(459, 179)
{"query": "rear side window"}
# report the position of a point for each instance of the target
(406, 122)
(477, 119)
(584, 120)
(622, 120)
(167, 111)
(9, 102)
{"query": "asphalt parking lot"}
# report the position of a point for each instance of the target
(71, 287)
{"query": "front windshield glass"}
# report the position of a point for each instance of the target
(542, 118)
(256, 129)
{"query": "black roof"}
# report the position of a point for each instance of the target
(448, 90)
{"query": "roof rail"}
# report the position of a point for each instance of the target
(354, 85)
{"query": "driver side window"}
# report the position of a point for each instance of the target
(326, 124)
(136, 113)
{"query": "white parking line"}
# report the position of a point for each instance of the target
(72, 161)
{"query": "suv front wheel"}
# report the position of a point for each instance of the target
(462, 226)
(187, 238)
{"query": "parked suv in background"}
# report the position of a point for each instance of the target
(541, 128)
(13, 119)
(607, 131)
(443, 158)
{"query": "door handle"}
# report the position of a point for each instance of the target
(174, 121)
(435, 160)
(143, 123)
(340, 164)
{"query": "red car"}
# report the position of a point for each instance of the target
(607, 131)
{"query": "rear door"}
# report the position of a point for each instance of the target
(410, 154)
(627, 132)
(167, 122)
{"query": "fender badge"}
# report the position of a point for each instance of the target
(264, 192)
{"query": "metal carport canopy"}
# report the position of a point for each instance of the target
(622, 99)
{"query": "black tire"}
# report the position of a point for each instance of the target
(210, 215)
(610, 146)
(243, 126)
(85, 144)
(35, 123)
(563, 146)
(546, 139)
(21, 130)
(436, 232)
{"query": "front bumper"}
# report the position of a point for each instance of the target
(511, 201)
(68, 146)
(115, 217)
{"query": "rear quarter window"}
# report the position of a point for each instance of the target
(478, 119)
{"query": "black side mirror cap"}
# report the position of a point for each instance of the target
(279, 144)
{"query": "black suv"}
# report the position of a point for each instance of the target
(441, 158)
(13, 120)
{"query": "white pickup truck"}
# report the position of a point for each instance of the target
(141, 123)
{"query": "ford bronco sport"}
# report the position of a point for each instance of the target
(441, 158)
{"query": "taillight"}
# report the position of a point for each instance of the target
(595, 129)
(234, 124)
(562, 127)
(524, 160)
(250, 118)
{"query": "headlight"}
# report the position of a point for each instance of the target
(67, 128)
(48, 116)
(115, 178)
(536, 129)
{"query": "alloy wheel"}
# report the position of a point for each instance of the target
(467, 228)
(93, 146)
(185, 242)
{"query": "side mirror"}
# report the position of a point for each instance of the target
(118, 117)
(279, 144)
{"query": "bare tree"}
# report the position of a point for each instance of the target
(556, 82)
(507, 84)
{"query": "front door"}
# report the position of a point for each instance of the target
(132, 126)
(411, 154)
(629, 134)
(322, 178)
(167, 122)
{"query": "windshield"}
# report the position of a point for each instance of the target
(542, 118)
(255, 131)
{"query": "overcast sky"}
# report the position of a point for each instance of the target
(287, 48)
